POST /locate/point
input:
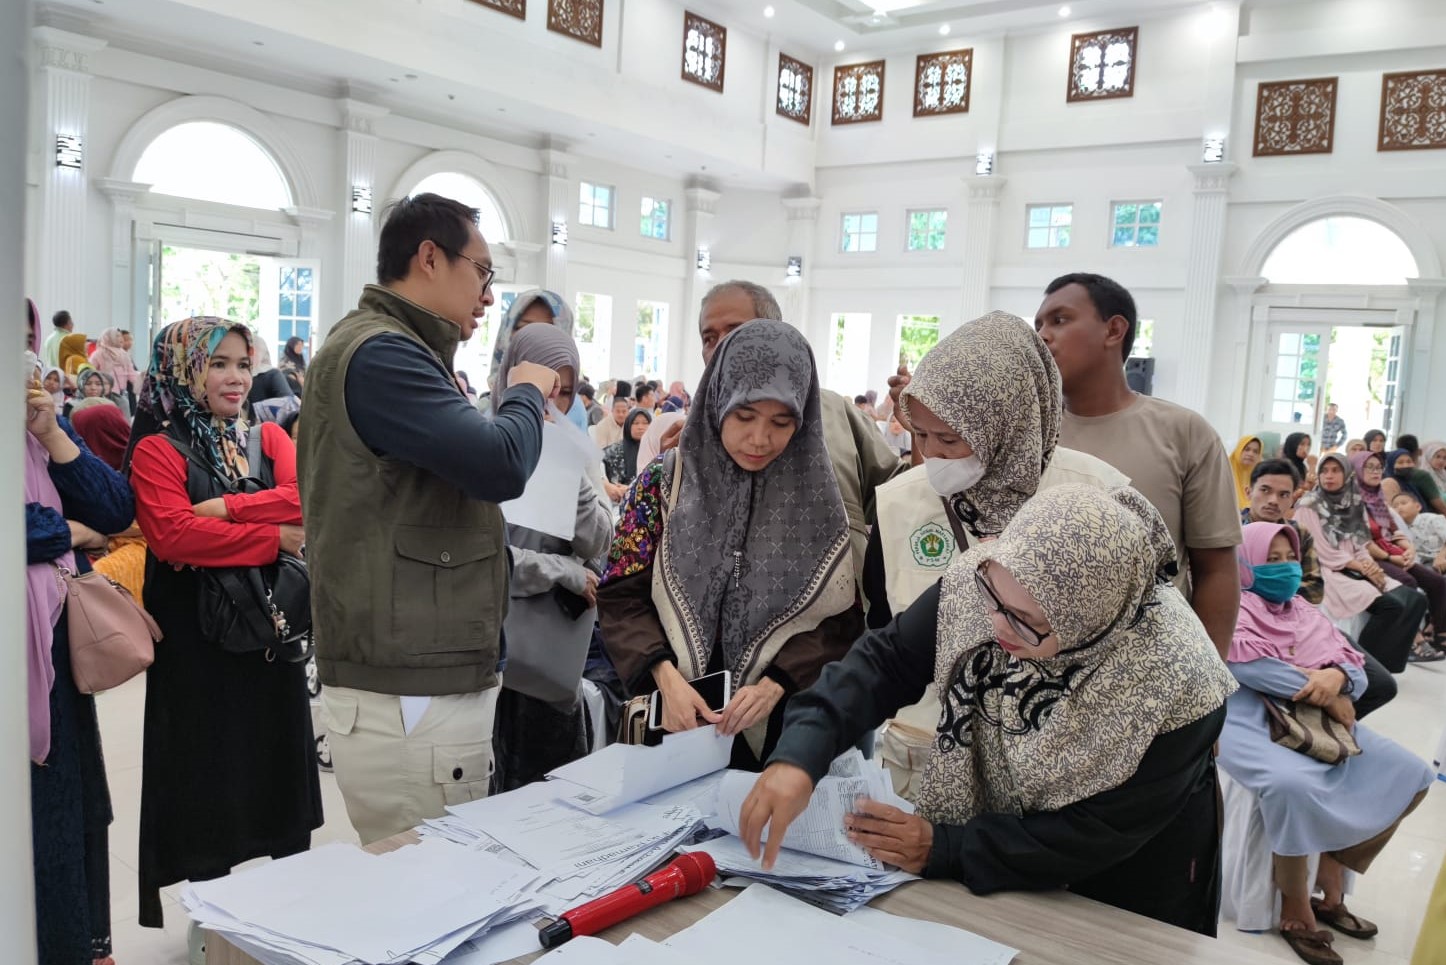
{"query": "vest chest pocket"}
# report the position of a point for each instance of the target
(447, 583)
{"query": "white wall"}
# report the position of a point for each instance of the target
(1194, 77)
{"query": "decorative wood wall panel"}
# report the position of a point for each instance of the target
(1102, 64)
(858, 93)
(942, 82)
(705, 51)
(1413, 111)
(795, 89)
(578, 19)
(514, 8)
(1295, 117)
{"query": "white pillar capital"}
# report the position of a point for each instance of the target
(308, 217)
(802, 209)
(1246, 285)
(556, 162)
(1213, 177)
(985, 187)
(122, 193)
(64, 50)
(358, 116)
(702, 200)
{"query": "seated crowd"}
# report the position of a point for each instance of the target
(1056, 597)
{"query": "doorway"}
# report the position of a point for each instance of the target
(1311, 365)
(277, 298)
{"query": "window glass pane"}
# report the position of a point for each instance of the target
(1284, 389)
(1038, 216)
(1062, 236)
(236, 171)
(286, 305)
(1039, 237)
(1150, 213)
(1125, 214)
(288, 279)
(303, 306)
(303, 279)
(1149, 235)
(1124, 237)
(870, 222)
(585, 193)
(1060, 215)
(1281, 412)
(1289, 343)
(851, 222)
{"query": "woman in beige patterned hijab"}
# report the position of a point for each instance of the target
(1082, 698)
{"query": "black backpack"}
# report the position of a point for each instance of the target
(246, 609)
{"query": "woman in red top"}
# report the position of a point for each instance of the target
(228, 769)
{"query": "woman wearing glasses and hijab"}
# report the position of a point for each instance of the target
(1082, 697)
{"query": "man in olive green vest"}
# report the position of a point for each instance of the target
(400, 478)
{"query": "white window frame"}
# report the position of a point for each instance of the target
(1136, 224)
(909, 229)
(651, 204)
(588, 207)
(1051, 229)
(844, 233)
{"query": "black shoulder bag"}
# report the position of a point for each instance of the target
(246, 609)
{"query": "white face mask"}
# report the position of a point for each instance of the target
(952, 476)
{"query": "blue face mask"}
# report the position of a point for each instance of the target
(577, 415)
(1276, 582)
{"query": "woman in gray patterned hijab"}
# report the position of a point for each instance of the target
(753, 572)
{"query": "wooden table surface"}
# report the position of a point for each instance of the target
(1048, 928)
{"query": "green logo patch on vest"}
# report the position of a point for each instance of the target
(932, 546)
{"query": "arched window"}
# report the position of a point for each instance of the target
(469, 191)
(213, 162)
(1341, 250)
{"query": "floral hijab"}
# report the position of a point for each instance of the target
(1371, 496)
(561, 317)
(173, 393)
(1018, 735)
(1343, 513)
(994, 382)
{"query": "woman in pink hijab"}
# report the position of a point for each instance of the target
(113, 358)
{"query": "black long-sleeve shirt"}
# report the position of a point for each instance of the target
(1150, 845)
(404, 403)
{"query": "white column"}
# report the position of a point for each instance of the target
(981, 223)
(128, 305)
(17, 889)
(797, 301)
(1236, 359)
(1202, 282)
(64, 81)
(561, 206)
(701, 206)
(1423, 408)
(358, 228)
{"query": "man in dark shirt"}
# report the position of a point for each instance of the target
(1272, 494)
(400, 477)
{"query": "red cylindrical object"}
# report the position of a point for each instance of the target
(688, 874)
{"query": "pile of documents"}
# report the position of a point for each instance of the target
(762, 925)
(818, 862)
(339, 904)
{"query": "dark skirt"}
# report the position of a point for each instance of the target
(229, 768)
(70, 813)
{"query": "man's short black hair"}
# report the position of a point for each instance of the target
(587, 391)
(1109, 297)
(1408, 442)
(61, 319)
(411, 221)
(1274, 467)
(861, 400)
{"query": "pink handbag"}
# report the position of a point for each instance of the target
(111, 637)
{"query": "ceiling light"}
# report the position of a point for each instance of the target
(944, 30)
(838, 46)
(768, 11)
(1064, 11)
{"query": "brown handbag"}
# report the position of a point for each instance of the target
(1309, 730)
(111, 637)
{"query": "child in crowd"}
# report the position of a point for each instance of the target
(1427, 531)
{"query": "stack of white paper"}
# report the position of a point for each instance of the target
(818, 862)
(338, 904)
(762, 925)
(577, 856)
(622, 774)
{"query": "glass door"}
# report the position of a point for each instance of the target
(1299, 357)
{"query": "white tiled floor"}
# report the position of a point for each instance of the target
(1393, 894)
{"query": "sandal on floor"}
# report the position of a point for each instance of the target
(1425, 653)
(1341, 919)
(1313, 947)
